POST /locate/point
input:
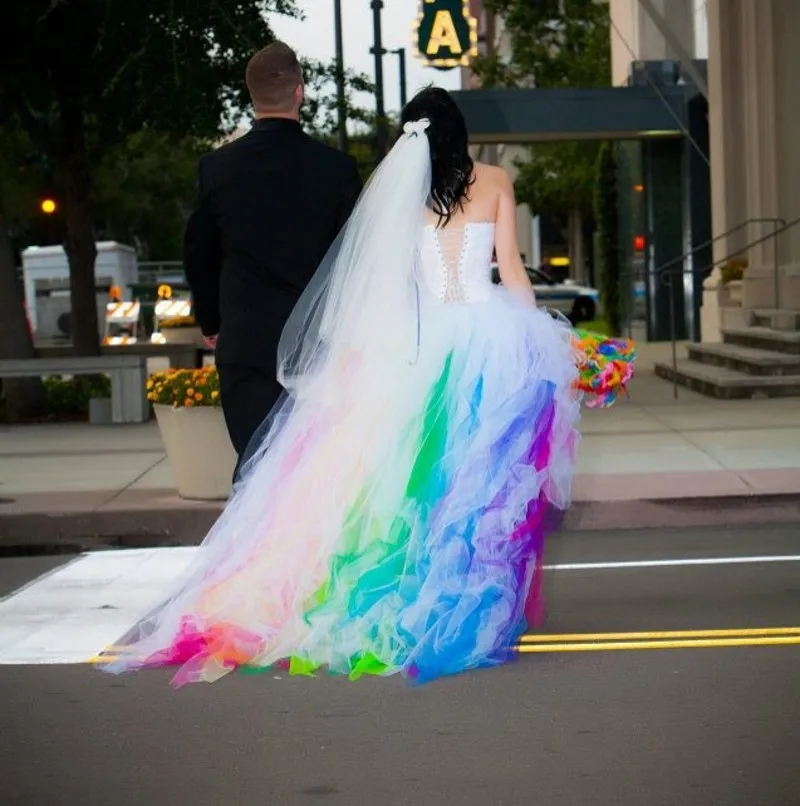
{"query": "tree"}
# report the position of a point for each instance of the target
(24, 183)
(555, 179)
(23, 396)
(608, 238)
(84, 75)
(143, 190)
(320, 112)
(554, 43)
(20, 182)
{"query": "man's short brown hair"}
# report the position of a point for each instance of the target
(273, 74)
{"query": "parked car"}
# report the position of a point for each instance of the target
(579, 303)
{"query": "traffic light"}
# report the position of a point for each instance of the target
(48, 205)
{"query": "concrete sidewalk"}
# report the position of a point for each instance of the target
(648, 461)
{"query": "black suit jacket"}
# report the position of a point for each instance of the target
(268, 207)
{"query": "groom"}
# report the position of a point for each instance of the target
(268, 207)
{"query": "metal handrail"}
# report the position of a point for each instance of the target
(667, 275)
(779, 222)
(679, 261)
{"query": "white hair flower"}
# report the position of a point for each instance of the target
(414, 127)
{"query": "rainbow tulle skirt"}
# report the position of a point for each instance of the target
(393, 519)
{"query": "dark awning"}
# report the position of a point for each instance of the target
(607, 113)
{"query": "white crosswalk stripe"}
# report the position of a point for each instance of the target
(72, 614)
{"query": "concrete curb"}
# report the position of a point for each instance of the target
(68, 532)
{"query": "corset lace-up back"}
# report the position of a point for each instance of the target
(455, 261)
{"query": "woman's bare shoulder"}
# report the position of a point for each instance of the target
(492, 174)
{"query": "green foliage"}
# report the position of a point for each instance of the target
(599, 326)
(176, 67)
(23, 181)
(143, 191)
(67, 397)
(81, 77)
(607, 217)
(556, 178)
(21, 397)
(554, 43)
(133, 92)
(320, 113)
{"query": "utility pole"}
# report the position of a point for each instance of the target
(341, 100)
(381, 133)
(401, 58)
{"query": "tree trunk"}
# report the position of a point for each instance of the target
(24, 397)
(577, 251)
(79, 242)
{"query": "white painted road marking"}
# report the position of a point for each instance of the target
(73, 613)
(675, 563)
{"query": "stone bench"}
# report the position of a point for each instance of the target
(128, 375)
(180, 356)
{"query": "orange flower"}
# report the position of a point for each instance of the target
(185, 387)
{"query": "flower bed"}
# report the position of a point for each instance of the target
(178, 321)
(184, 388)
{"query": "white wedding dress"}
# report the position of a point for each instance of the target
(393, 519)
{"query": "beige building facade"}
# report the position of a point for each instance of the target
(754, 128)
(754, 124)
(635, 34)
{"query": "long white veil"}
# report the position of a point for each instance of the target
(364, 296)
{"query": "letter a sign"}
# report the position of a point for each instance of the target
(445, 34)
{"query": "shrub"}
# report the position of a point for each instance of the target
(67, 397)
(733, 270)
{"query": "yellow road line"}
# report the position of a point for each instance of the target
(659, 635)
(103, 659)
(617, 641)
(609, 646)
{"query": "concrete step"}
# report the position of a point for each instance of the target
(748, 360)
(764, 338)
(727, 384)
(775, 318)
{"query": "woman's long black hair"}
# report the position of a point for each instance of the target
(452, 166)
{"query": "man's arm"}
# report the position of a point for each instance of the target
(202, 255)
(350, 191)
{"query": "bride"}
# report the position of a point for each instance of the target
(391, 515)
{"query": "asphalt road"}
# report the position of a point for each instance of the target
(678, 727)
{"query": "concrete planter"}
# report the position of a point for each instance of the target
(735, 292)
(182, 335)
(199, 451)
